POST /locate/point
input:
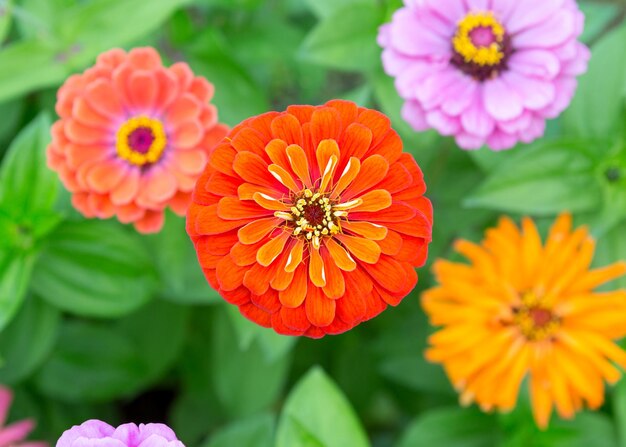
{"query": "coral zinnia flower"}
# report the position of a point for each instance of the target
(520, 309)
(485, 71)
(311, 220)
(133, 137)
(94, 433)
(13, 435)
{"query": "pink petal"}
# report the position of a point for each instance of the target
(157, 441)
(499, 141)
(411, 80)
(413, 114)
(476, 121)
(190, 162)
(395, 63)
(431, 91)
(503, 9)
(445, 125)
(451, 10)
(535, 129)
(531, 12)
(409, 38)
(479, 5)
(459, 96)
(15, 432)
(102, 442)
(565, 89)
(469, 142)
(518, 124)
(539, 63)
(555, 30)
(501, 102)
(536, 94)
(578, 64)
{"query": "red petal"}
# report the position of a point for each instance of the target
(320, 310)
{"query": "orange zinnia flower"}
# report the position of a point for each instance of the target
(520, 309)
(311, 220)
(133, 137)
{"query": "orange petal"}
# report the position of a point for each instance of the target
(105, 176)
(238, 297)
(270, 251)
(377, 122)
(284, 177)
(295, 318)
(366, 229)
(159, 186)
(150, 223)
(167, 90)
(376, 200)
(396, 212)
(229, 275)
(222, 185)
(257, 315)
(294, 295)
(320, 310)
(325, 125)
(142, 91)
(257, 279)
(348, 175)
(80, 134)
(302, 112)
(267, 302)
(246, 191)
(277, 151)
(253, 169)
(390, 147)
(281, 328)
(144, 58)
(243, 254)
(316, 268)
(295, 256)
(351, 307)
(392, 243)
(393, 276)
(223, 158)
(256, 230)
(341, 257)
(398, 179)
(282, 280)
(348, 110)
(207, 222)
(183, 109)
(219, 244)
(269, 202)
(286, 127)
(127, 189)
(299, 163)
(89, 116)
(249, 140)
(373, 170)
(335, 286)
(324, 152)
(202, 89)
(364, 249)
(188, 135)
(231, 208)
(190, 162)
(356, 141)
(101, 95)
(418, 226)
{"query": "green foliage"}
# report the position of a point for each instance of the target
(254, 432)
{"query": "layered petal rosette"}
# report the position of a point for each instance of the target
(95, 433)
(523, 309)
(311, 220)
(485, 71)
(133, 137)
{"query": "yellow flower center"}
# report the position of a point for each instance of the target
(314, 215)
(141, 140)
(536, 321)
(479, 39)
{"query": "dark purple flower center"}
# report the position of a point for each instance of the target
(141, 139)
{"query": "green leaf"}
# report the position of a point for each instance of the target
(237, 96)
(317, 414)
(177, 264)
(246, 381)
(6, 14)
(15, 274)
(27, 340)
(27, 186)
(95, 268)
(595, 110)
(619, 409)
(451, 427)
(543, 179)
(254, 432)
(611, 247)
(326, 8)
(598, 16)
(346, 39)
(90, 363)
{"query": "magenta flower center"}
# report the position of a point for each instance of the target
(141, 139)
(482, 36)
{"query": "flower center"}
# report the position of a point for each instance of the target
(481, 46)
(141, 140)
(536, 321)
(314, 215)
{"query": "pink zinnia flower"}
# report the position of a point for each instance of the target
(94, 433)
(133, 137)
(486, 71)
(13, 435)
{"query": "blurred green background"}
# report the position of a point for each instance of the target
(99, 322)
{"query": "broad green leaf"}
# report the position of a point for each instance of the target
(17, 61)
(95, 268)
(27, 340)
(346, 39)
(273, 345)
(619, 409)
(254, 432)
(237, 96)
(6, 14)
(317, 414)
(90, 363)
(246, 381)
(544, 179)
(598, 16)
(595, 110)
(27, 185)
(157, 332)
(177, 263)
(15, 274)
(451, 427)
(326, 8)
(611, 247)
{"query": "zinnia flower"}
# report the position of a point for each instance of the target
(133, 137)
(521, 309)
(94, 433)
(13, 435)
(485, 71)
(311, 220)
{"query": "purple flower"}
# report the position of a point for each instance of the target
(13, 435)
(96, 433)
(486, 71)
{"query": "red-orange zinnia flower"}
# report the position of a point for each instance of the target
(311, 220)
(133, 137)
(521, 308)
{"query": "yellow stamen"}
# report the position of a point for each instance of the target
(481, 55)
(154, 152)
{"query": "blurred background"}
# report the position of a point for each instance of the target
(99, 322)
